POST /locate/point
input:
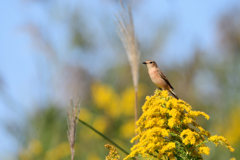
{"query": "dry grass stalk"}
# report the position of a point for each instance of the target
(124, 23)
(73, 112)
(126, 33)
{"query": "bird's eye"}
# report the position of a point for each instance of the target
(151, 62)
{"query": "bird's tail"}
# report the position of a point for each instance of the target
(174, 94)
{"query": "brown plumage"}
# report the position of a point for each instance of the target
(158, 78)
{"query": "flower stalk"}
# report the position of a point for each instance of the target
(103, 136)
(126, 33)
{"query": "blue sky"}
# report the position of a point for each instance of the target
(194, 22)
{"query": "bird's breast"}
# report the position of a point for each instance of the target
(157, 79)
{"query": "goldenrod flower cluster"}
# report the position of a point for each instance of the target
(113, 154)
(167, 129)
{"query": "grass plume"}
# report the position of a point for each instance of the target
(73, 111)
(125, 26)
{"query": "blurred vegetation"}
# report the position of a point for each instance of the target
(209, 81)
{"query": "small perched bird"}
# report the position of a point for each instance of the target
(158, 78)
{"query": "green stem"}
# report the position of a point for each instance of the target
(102, 135)
(199, 146)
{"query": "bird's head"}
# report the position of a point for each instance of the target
(150, 64)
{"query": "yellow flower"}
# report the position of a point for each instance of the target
(164, 94)
(174, 113)
(190, 136)
(167, 129)
(113, 154)
(172, 103)
(203, 132)
(169, 146)
(171, 122)
(187, 120)
(204, 150)
(170, 156)
(221, 140)
(198, 113)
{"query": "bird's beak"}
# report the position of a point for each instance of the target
(144, 63)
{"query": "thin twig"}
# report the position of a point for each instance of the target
(102, 135)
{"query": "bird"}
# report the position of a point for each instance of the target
(158, 78)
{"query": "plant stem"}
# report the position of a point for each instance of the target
(102, 135)
(136, 112)
(136, 116)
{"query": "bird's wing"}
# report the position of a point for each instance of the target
(165, 78)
